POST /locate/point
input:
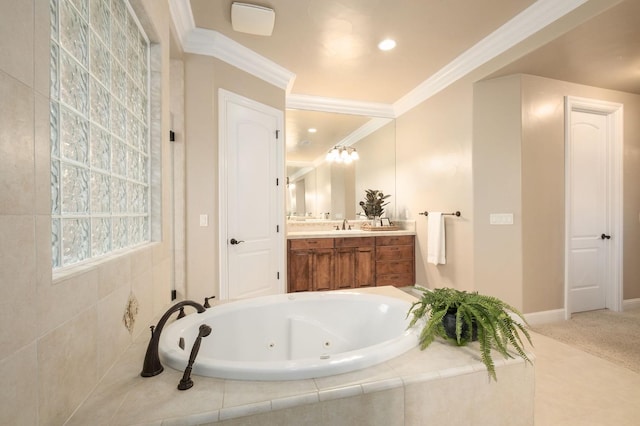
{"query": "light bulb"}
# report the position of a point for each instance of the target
(354, 155)
(386, 44)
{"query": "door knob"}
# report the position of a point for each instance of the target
(233, 241)
(603, 236)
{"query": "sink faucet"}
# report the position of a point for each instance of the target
(345, 223)
(152, 366)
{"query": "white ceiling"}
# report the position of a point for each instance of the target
(330, 46)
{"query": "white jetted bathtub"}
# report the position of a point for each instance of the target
(292, 336)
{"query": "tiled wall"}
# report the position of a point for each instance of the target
(58, 336)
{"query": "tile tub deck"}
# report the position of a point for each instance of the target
(440, 382)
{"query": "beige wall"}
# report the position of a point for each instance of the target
(519, 167)
(203, 77)
(497, 186)
(433, 173)
(59, 336)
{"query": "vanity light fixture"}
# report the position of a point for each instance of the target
(342, 154)
(387, 44)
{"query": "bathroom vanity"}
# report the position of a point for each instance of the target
(336, 260)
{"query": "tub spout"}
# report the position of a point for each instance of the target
(186, 382)
(152, 366)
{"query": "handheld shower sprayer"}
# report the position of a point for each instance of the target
(186, 382)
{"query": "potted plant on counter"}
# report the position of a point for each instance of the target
(373, 204)
(461, 317)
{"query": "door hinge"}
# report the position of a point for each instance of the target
(174, 294)
(278, 275)
(277, 228)
(277, 182)
(172, 136)
(277, 134)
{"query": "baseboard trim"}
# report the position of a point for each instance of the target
(544, 317)
(630, 304)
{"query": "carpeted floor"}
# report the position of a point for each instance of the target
(614, 336)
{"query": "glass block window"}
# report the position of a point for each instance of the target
(99, 129)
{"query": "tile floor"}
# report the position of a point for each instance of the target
(574, 388)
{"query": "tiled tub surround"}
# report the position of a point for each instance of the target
(441, 382)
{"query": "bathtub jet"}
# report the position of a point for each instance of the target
(293, 336)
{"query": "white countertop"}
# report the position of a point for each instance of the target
(346, 233)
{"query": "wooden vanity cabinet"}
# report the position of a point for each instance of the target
(395, 260)
(310, 264)
(354, 262)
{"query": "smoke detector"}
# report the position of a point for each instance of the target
(252, 19)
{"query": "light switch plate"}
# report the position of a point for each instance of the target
(204, 220)
(501, 219)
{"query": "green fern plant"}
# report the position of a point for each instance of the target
(478, 317)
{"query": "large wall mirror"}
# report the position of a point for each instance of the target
(321, 190)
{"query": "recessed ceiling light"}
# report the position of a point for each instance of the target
(387, 44)
(312, 130)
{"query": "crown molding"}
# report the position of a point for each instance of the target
(526, 23)
(344, 106)
(182, 18)
(212, 43)
(365, 130)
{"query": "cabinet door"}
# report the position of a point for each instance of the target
(345, 267)
(365, 267)
(300, 277)
(322, 271)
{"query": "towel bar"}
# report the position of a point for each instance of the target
(456, 213)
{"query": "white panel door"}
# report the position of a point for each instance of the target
(588, 206)
(254, 201)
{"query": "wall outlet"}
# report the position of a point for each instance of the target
(204, 220)
(501, 219)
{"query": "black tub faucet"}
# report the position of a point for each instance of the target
(152, 366)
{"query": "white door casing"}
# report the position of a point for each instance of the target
(593, 206)
(251, 216)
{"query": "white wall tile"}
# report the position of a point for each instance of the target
(66, 298)
(113, 337)
(16, 146)
(67, 367)
(42, 152)
(18, 283)
(19, 390)
(114, 273)
(16, 36)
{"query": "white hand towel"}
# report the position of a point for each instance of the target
(436, 250)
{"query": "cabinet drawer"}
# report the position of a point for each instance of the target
(394, 252)
(395, 240)
(355, 242)
(311, 243)
(394, 267)
(397, 280)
